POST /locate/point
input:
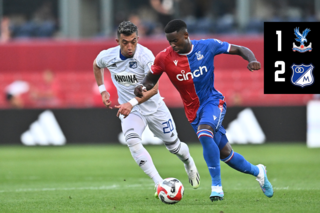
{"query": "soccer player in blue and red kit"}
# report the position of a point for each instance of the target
(189, 65)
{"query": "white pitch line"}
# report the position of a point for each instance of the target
(281, 188)
(73, 188)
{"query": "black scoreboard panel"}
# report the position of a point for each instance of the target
(292, 58)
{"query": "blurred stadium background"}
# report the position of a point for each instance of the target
(49, 97)
(47, 48)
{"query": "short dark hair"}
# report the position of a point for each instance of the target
(127, 28)
(175, 25)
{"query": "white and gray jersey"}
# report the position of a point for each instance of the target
(126, 74)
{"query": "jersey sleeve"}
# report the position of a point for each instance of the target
(159, 64)
(100, 59)
(148, 61)
(218, 47)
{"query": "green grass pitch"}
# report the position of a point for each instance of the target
(105, 178)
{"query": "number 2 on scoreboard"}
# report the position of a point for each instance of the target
(281, 71)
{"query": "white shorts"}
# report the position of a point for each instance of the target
(160, 123)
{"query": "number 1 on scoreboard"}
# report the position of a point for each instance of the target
(278, 32)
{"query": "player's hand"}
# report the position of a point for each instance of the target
(124, 109)
(254, 65)
(106, 99)
(138, 91)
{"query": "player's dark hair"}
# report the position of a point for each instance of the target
(127, 28)
(175, 25)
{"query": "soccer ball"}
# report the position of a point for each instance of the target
(170, 191)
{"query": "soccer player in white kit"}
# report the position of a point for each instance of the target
(128, 64)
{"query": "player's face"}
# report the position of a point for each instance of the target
(179, 41)
(128, 44)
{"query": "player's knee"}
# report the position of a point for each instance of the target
(133, 141)
(225, 151)
(204, 132)
(205, 127)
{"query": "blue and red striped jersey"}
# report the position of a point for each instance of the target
(192, 73)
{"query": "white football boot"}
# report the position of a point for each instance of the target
(194, 177)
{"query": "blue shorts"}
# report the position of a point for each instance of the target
(213, 114)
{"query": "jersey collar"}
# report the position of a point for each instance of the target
(122, 57)
(188, 52)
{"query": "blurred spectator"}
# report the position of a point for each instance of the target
(44, 21)
(38, 19)
(47, 93)
(41, 25)
(5, 30)
(254, 26)
(15, 94)
(17, 29)
(165, 9)
(135, 19)
(226, 24)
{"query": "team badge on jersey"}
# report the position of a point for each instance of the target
(302, 75)
(199, 55)
(133, 64)
(301, 38)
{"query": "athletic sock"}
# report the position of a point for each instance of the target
(211, 154)
(238, 162)
(144, 160)
(184, 154)
(181, 150)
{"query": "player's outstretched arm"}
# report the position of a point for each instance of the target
(246, 54)
(98, 74)
(126, 108)
(148, 82)
(147, 94)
